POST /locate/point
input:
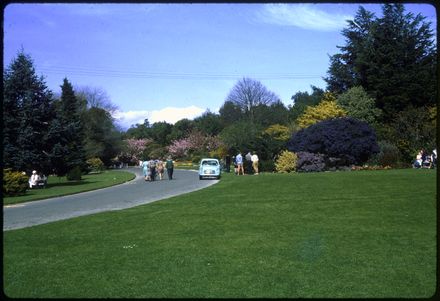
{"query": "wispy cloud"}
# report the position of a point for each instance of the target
(168, 114)
(109, 9)
(306, 16)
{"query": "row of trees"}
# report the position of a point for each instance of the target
(54, 134)
(384, 77)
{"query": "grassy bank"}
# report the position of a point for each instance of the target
(342, 234)
(59, 186)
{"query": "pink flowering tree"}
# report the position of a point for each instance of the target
(179, 148)
(196, 144)
(134, 149)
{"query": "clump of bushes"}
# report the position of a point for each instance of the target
(74, 174)
(389, 154)
(266, 165)
(346, 140)
(308, 162)
(286, 162)
(95, 165)
(14, 182)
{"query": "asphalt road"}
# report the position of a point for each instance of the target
(130, 194)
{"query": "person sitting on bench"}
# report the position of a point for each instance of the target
(36, 181)
(33, 181)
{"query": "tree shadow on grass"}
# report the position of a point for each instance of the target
(70, 184)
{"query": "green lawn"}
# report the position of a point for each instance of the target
(59, 186)
(338, 234)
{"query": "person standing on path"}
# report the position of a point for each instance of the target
(169, 165)
(145, 170)
(254, 160)
(152, 166)
(160, 168)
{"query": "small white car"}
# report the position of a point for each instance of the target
(209, 168)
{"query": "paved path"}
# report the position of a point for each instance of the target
(130, 194)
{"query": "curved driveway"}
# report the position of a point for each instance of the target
(129, 194)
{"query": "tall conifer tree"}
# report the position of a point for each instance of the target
(67, 133)
(393, 58)
(27, 114)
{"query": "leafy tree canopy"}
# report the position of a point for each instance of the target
(359, 105)
(326, 109)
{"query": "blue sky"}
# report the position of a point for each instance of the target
(166, 62)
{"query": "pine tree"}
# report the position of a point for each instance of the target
(402, 71)
(67, 133)
(347, 69)
(393, 58)
(27, 114)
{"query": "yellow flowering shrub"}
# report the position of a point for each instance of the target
(286, 162)
(278, 132)
(326, 109)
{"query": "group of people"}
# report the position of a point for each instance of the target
(423, 160)
(152, 168)
(251, 159)
(37, 181)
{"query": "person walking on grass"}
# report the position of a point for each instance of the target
(169, 165)
(239, 160)
(254, 159)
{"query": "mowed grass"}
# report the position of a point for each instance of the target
(319, 235)
(59, 186)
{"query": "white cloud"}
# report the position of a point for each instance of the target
(306, 16)
(168, 114)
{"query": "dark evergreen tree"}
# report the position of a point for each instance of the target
(139, 131)
(348, 69)
(68, 133)
(275, 113)
(27, 114)
(402, 69)
(160, 131)
(230, 113)
(181, 129)
(102, 138)
(393, 58)
(209, 123)
(301, 100)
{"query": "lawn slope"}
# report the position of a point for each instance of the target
(341, 234)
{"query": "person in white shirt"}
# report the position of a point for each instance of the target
(33, 181)
(239, 160)
(254, 159)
